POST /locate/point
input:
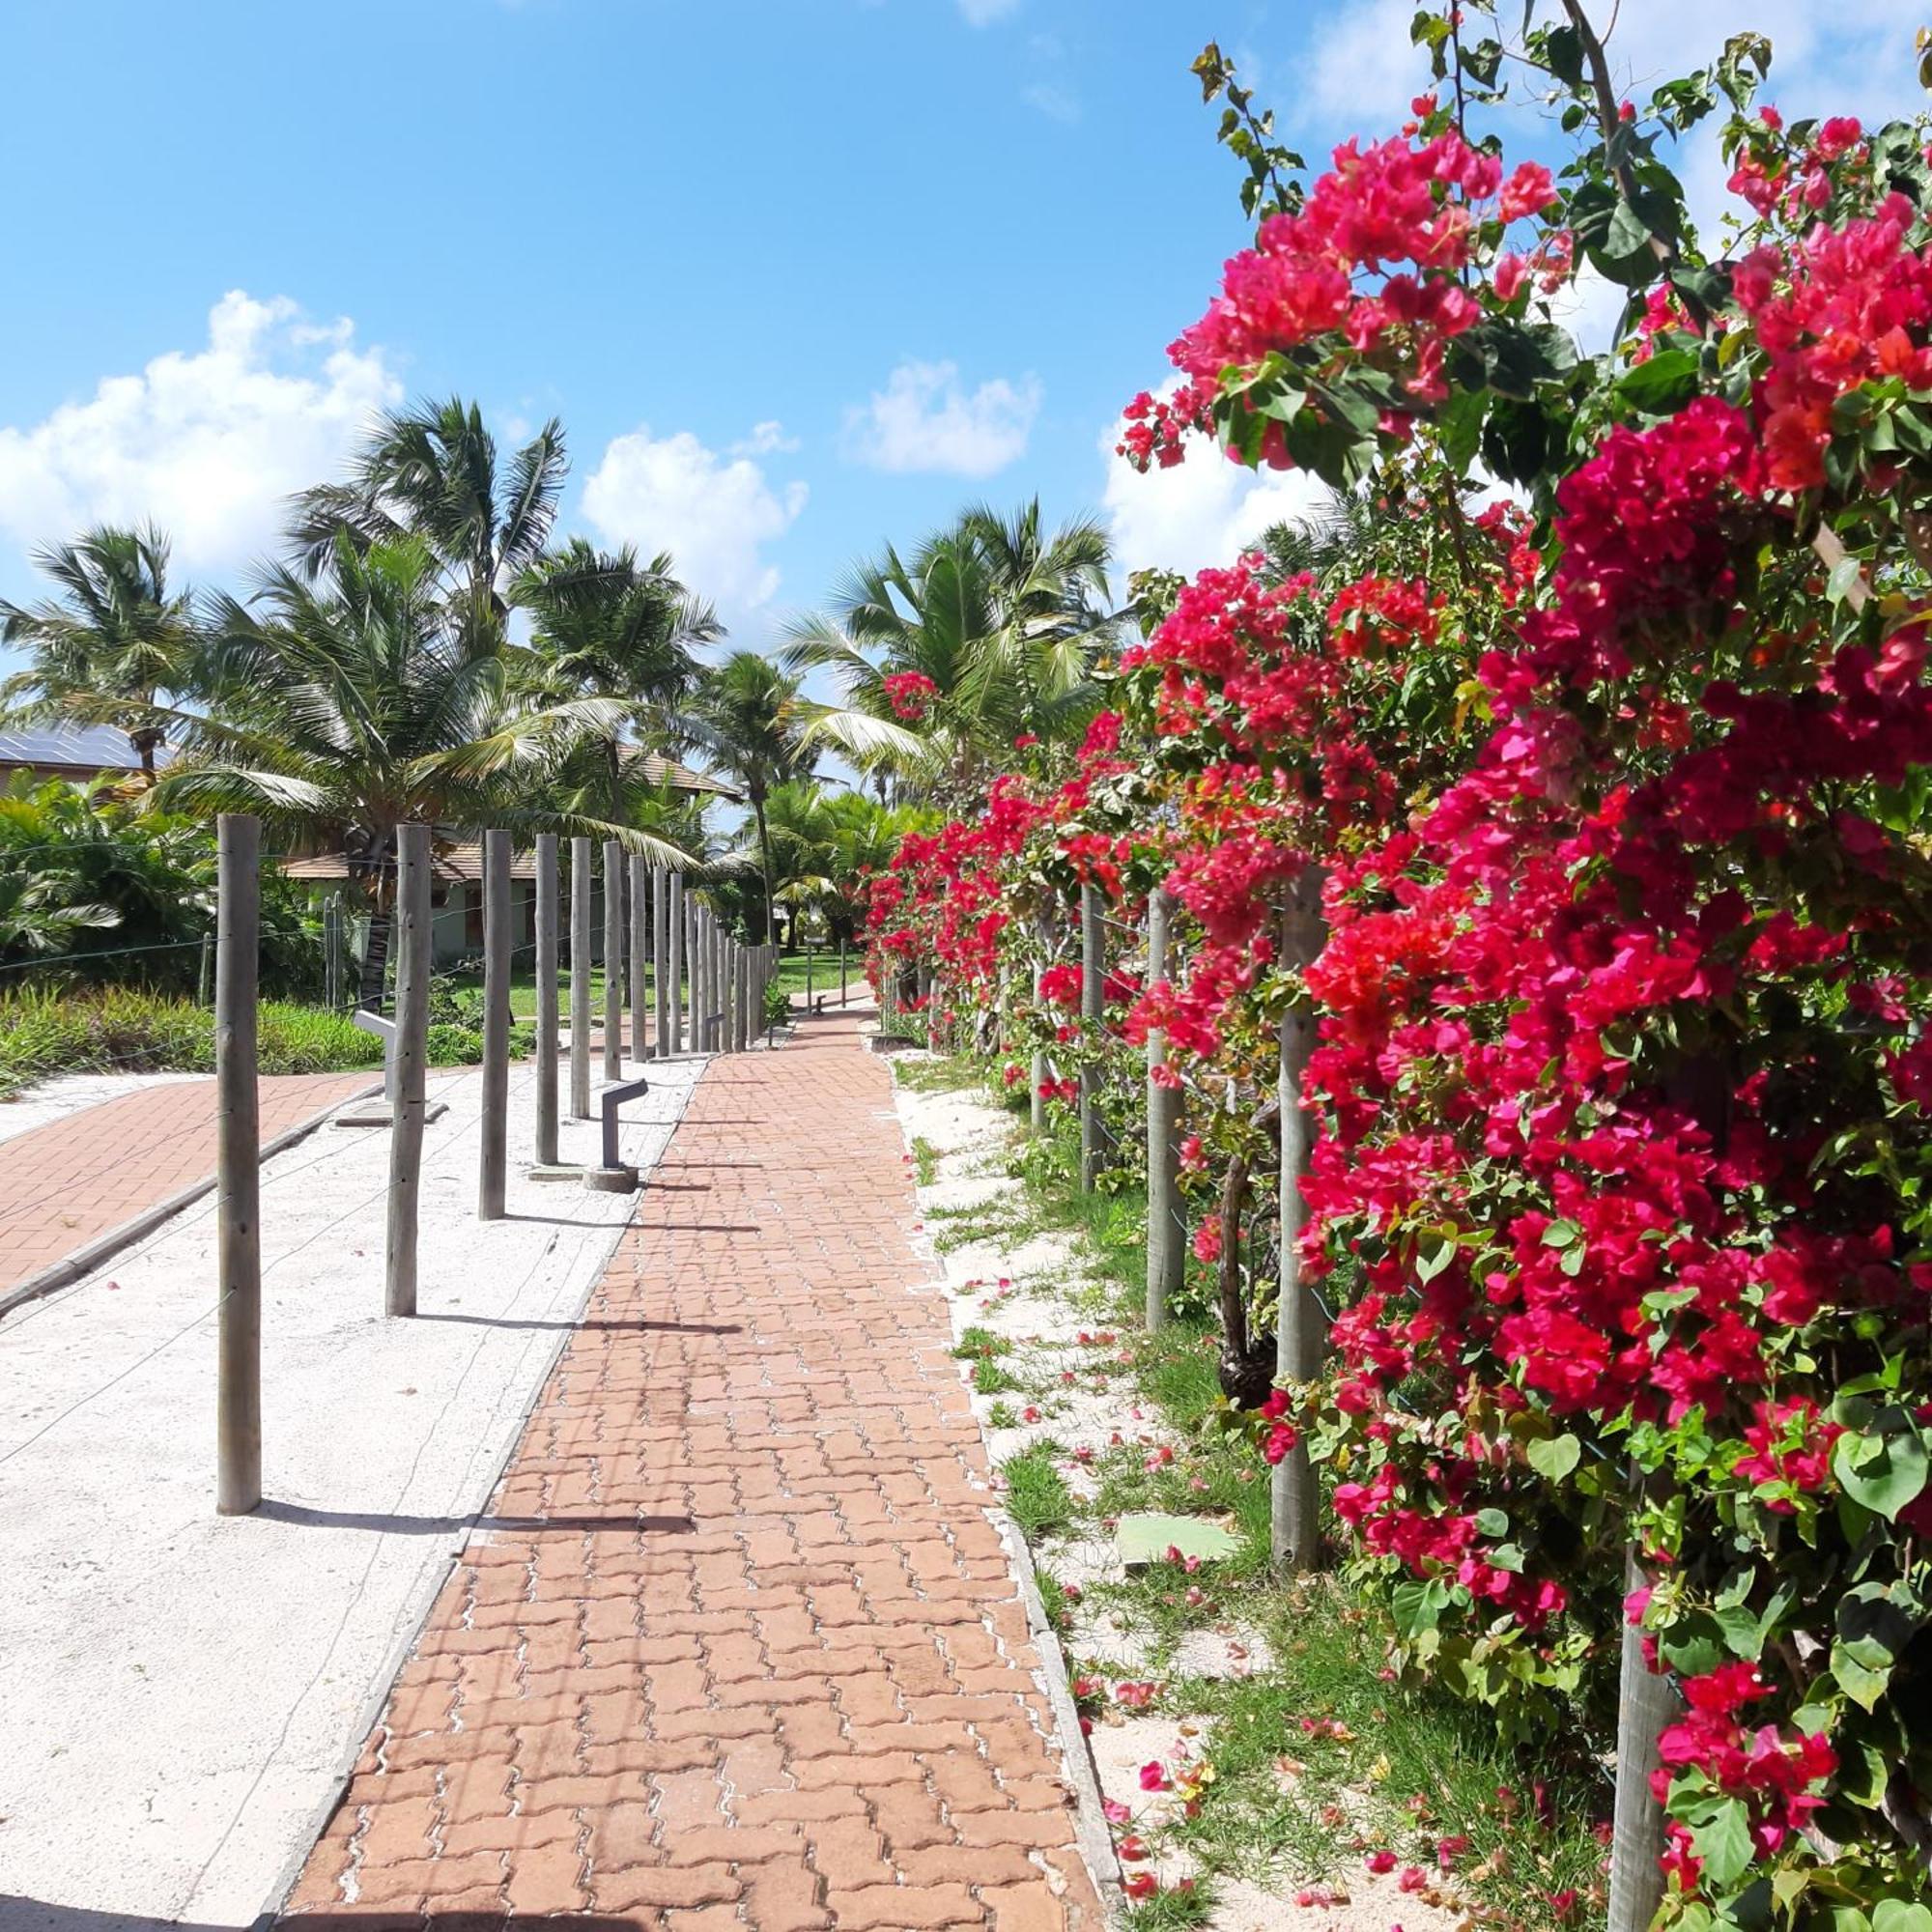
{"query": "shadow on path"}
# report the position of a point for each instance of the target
(612, 1327)
(31, 1915)
(301, 1515)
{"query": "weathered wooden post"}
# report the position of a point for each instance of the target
(1294, 1533)
(613, 961)
(332, 952)
(238, 1155)
(493, 1163)
(807, 973)
(640, 946)
(713, 1006)
(1093, 976)
(677, 962)
(1167, 1255)
(660, 961)
(1042, 933)
(413, 962)
(1646, 1703)
(692, 968)
(546, 943)
(579, 979)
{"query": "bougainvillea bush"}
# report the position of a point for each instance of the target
(1607, 722)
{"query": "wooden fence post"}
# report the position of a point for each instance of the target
(694, 966)
(579, 979)
(1294, 1533)
(238, 1398)
(1093, 976)
(660, 961)
(1167, 1255)
(1646, 1703)
(332, 952)
(492, 1167)
(841, 972)
(677, 962)
(413, 960)
(1043, 932)
(547, 941)
(613, 961)
(639, 944)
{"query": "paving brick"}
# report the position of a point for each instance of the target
(903, 1908)
(788, 1688)
(66, 1183)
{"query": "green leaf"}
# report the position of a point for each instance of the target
(1884, 1473)
(1555, 1458)
(1491, 1523)
(1662, 386)
(1864, 1687)
(1843, 578)
(1560, 1233)
(1725, 1843)
(1901, 1914)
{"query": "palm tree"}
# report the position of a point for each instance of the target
(751, 717)
(113, 646)
(608, 626)
(345, 708)
(1005, 622)
(431, 471)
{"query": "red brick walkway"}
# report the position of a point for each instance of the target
(739, 1647)
(65, 1183)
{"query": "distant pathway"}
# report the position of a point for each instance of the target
(742, 1649)
(63, 1184)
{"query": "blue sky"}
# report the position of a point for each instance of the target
(798, 275)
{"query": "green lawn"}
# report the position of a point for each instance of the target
(791, 976)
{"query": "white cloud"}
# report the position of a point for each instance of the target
(766, 439)
(984, 12)
(207, 442)
(714, 513)
(1204, 511)
(1055, 102)
(925, 420)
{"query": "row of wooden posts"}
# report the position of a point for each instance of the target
(707, 995)
(1647, 1699)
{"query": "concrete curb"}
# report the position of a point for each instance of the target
(378, 1698)
(1090, 1819)
(103, 1247)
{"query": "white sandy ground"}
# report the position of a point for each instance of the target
(1032, 1293)
(180, 1692)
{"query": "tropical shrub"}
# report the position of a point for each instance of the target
(1615, 790)
(95, 891)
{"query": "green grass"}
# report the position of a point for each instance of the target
(989, 1379)
(975, 1343)
(924, 1160)
(1038, 1498)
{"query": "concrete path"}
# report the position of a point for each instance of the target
(742, 1648)
(65, 1183)
(181, 1694)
